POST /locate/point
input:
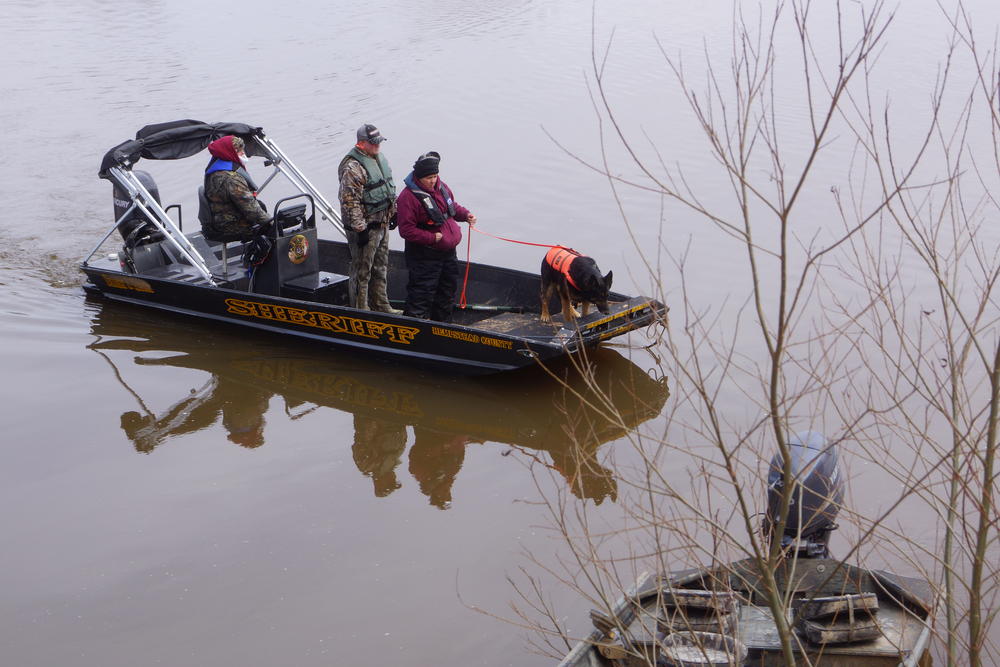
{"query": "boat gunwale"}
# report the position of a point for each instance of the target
(646, 586)
(529, 350)
(582, 334)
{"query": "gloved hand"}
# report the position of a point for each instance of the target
(263, 229)
(363, 238)
(392, 221)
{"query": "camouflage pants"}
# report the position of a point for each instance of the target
(369, 265)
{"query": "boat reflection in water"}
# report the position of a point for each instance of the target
(527, 410)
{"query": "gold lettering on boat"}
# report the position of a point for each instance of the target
(125, 282)
(473, 338)
(354, 326)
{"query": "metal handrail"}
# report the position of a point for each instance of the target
(299, 180)
(157, 215)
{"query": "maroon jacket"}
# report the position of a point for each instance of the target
(411, 214)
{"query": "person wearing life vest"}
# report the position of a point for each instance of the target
(427, 214)
(367, 211)
(235, 209)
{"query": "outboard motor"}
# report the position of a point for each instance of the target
(816, 498)
(136, 225)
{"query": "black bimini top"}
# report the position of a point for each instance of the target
(173, 141)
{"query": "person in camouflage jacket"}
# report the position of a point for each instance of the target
(367, 211)
(235, 209)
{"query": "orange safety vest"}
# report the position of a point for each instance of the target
(560, 258)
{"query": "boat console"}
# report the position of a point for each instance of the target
(291, 267)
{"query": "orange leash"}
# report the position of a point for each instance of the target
(462, 302)
(540, 245)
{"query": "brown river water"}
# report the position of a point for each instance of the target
(179, 493)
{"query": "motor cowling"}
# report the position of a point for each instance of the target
(136, 219)
(817, 494)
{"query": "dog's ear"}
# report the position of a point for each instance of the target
(607, 280)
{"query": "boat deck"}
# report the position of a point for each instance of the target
(158, 261)
(529, 325)
(757, 631)
(905, 607)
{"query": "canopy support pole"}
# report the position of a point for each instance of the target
(299, 180)
(145, 202)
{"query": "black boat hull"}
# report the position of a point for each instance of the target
(501, 333)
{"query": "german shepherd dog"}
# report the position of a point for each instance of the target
(576, 279)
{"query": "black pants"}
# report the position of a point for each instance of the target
(430, 292)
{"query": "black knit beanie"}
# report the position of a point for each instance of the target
(426, 164)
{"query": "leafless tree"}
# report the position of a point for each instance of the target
(939, 345)
(834, 331)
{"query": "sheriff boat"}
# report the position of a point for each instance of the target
(300, 290)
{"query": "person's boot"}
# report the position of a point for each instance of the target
(382, 305)
(388, 309)
(361, 298)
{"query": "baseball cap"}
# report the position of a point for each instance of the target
(370, 133)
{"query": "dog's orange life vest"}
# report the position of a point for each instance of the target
(560, 258)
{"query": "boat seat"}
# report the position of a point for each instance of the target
(205, 218)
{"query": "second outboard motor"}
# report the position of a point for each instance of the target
(131, 227)
(816, 497)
